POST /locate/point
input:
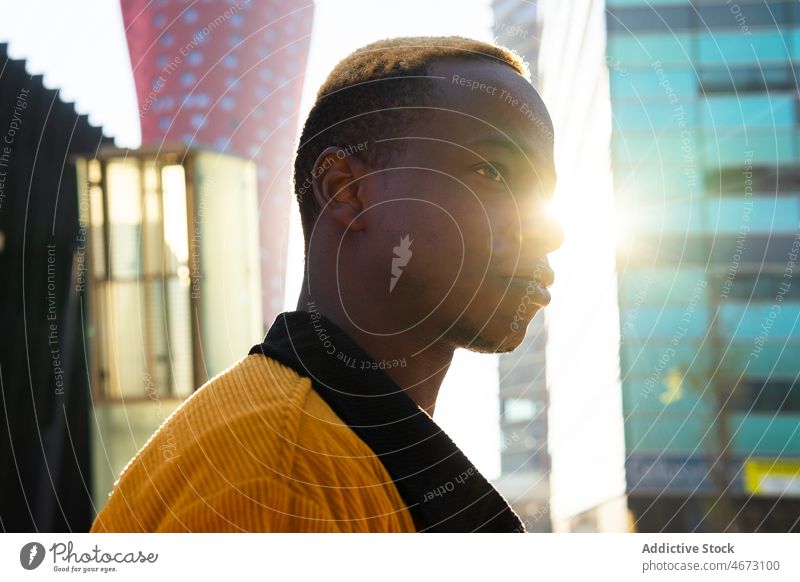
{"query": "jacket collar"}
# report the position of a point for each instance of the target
(443, 490)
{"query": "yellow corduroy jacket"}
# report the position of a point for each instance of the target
(305, 434)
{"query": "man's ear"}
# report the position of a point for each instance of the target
(338, 188)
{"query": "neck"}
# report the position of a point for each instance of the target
(422, 366)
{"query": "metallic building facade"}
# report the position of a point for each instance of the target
(45, 414)
(228, 75)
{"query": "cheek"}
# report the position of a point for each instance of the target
(442, 248)
(450, 234)
(454, 270)
(461, 240)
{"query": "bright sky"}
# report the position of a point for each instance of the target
(80, 48)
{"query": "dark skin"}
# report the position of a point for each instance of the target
(470, 193)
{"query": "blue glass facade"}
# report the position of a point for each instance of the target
(705, 152)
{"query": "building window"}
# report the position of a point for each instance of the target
(187, 79)
(200, 37)
(751, 111)
(766, 395)
(524, 461)
(770, 15)
(745, 79)
(763, 180)
(141, 299)
(759, 286)
(520, 409)
(654, 251)
(661, 19)
(741, 16)
(195, 58)
(197, 100)
(164, 103)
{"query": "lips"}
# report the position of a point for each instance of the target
(542, 274)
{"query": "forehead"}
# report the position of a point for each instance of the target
(489, 103)
(491, 94)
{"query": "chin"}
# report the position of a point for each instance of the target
(489, 346)
(512, 341)
(499, 337)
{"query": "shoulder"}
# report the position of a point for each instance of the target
(243, 417)
(237, 427)
(254, 443)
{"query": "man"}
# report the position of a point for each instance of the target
(422, 175)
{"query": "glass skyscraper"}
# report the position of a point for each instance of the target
(706, 160)
(693, 108)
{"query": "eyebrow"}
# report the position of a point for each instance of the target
(544, 170)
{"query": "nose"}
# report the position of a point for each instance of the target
(538, 231)
(526, 230)
(552, 234)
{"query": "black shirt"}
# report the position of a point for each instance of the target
(443, 490)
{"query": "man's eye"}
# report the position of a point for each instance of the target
(492, 171)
